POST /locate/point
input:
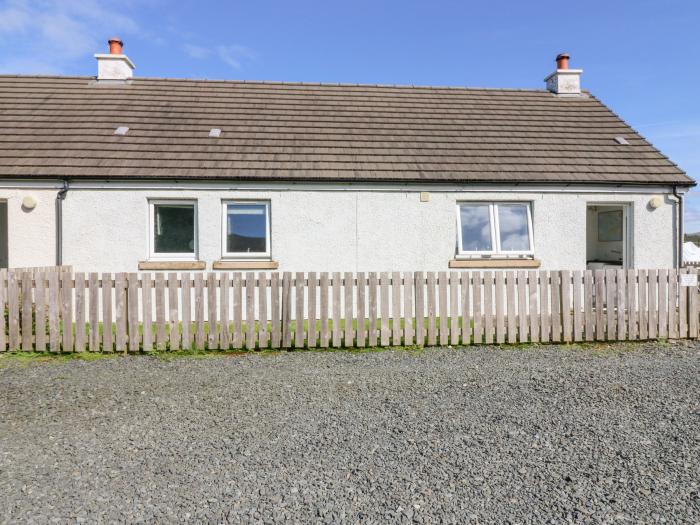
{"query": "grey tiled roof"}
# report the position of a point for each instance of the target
(64, 127)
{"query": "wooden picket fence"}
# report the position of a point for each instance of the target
(63, 312)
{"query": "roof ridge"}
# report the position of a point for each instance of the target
(285, 83)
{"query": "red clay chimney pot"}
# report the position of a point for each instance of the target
(563, 61)
(115, 45)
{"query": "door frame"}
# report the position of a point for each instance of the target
(627, 229)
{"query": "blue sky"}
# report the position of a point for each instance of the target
(641, 57)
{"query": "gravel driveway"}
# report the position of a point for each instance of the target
(548, 434)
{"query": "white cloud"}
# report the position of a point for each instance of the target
(54, 33)
(232, 55)
(197, 52)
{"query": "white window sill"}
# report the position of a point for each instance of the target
(155, 264)
(245, 264)
(493, 262)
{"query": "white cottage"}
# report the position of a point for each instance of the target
(120, 173)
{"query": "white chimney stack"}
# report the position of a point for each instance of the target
(564, 81)
(114, 66)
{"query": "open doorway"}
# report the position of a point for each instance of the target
(607, 236)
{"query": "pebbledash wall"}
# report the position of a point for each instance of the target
(325, 227)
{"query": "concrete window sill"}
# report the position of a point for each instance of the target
(172, 265)
(245, 265)
(495, 263)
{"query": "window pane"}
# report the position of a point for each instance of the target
(476, 227)
(174, 228)
(246, 228)
(512, 223)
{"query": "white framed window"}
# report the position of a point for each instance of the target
(494, 229)
(246, 229)
(172, 229)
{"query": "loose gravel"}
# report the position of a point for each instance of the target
(517, 435)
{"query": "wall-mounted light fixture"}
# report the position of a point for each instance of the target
(656, 202)
(29, 203)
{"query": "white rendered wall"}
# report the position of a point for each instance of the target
(341, 230)
(30, 232)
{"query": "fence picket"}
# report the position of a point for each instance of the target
(478, 313)
(511, 315)
(132, 311)
(555, 288)
(522, 306)
(500, 317)
(275, 310)
(39, 313)
(225, 314)
(250, 328)
(325, 336)
(107, 327)
(442, 302)
(419, 288)
(335, 289)
(642, 288)
(663, 303)
(287, 310)
(465, 278)
(311, 331)
(67, 311)
(299, 310)
(160, 311)
(372, 309)
(430, 285)
(632, 312)
(361, 300)
(263, 331)
(600, 294)
(27, 314)
(566, 324)
(611, 294)
(653, 294)
(545, 332)
(237, 290)
(384, 308)
(186, 298)
(533, 303)
(621, 301)
(683, 306)
(489, 332)
(348, 297)
(173, 313)
(199, 334)
(673, 304)
(212, 318)
(408, 331)
(454, 308)
(589, 313)
(146, 292)
(120, 313)
(93, 296)
(578, 314)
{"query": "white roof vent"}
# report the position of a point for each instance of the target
(215, 132)
(121, 130)
(622, 141)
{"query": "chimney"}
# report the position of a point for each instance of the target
(114, 66)
(564, 81)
